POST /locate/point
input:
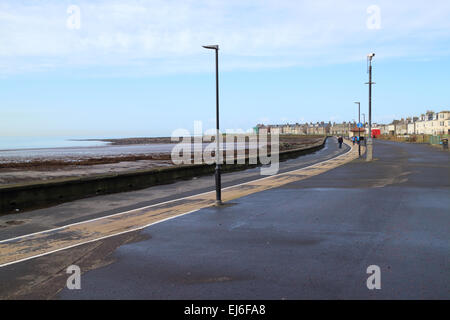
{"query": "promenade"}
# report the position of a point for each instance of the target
(308, 233)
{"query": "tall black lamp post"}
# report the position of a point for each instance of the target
(217, 173)
(364, 126)
(359, 129)
(369, 149)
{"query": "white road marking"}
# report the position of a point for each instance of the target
(142, 208)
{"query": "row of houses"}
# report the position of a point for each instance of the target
(297, 128)
(431, 123)
(318, 128)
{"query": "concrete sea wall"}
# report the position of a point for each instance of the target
(24, 197)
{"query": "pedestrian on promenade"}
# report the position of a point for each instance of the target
(353, 140)
(340, 141)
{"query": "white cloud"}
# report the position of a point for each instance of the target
(160, 36)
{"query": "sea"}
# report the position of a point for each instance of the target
(23, 142)
(68, 148)
(23, 149)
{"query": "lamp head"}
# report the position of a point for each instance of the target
(214, 47)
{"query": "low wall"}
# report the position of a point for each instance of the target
(416, 138)
(24, 197)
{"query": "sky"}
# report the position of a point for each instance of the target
(137, 67)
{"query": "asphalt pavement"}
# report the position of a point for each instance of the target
(309, 239)
(14, 225)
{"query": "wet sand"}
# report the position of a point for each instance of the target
(123, 155)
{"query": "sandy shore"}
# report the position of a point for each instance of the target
(42, 170)
(131, 141)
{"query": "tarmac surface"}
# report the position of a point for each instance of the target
(13, 225)
(309, 239)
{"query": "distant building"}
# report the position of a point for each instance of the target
(441, 123)
(297, 128)
(340, 129)
(433, 123)
(430, 123)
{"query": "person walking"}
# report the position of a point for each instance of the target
(340, 141)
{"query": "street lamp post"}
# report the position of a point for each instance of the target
(369, 149)
(364, 121)
(359, 129)
(217, 172)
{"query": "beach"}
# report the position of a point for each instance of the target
(110, 156)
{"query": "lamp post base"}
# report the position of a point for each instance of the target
(369, 150)
(218, 186)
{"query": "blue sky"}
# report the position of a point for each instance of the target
(136, 68)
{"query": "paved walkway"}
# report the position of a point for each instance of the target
(14, 225)
(297, 239)
(28, 246)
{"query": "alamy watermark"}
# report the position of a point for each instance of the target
(374, 20)
(74, 19)
(235, 146)
(74, 280)
(374, 280)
